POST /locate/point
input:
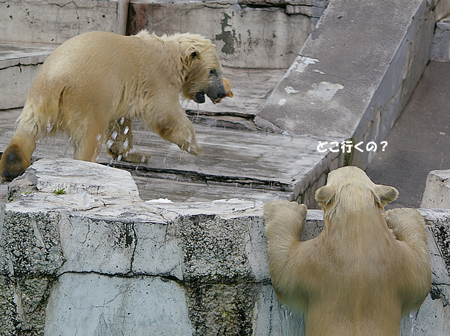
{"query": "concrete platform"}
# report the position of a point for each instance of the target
(235, 163)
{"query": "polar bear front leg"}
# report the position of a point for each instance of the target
(284, 221)
(174, 126)
(408, 226)
(119, 142)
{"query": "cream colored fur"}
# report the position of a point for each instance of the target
(93, 80)
(357, 277)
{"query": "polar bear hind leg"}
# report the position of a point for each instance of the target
(119, 142)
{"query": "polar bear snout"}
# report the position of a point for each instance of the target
(216, 88)
(212, 93)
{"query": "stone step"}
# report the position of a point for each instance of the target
(355, 74)
(235, 163)
(250, 87)
(19, 64)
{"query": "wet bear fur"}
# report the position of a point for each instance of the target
(93, 85)
(363, 272)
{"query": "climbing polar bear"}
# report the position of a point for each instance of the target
(93, 85)
(363, 272)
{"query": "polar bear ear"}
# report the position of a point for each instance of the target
(190, 55)
(324, 195)
(387, 194)
(194, 54)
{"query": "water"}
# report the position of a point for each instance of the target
(408, 324)
(291, 323)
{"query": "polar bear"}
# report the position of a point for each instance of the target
(94, 84)
(363, 272)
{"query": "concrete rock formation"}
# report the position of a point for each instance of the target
(78, 245)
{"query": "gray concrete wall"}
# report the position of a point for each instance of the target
(80, 254)
(248, 34)
(41, 21)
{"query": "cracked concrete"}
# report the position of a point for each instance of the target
(247, 35)
(154, 267)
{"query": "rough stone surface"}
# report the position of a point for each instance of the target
(96, 304)
(437, 190)
(433, 317)
(148, 267)
(31, 242)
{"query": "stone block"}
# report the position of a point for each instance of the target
(221, 241)
(437, 190)
(157, 251)
(30, 241)
(95, 304)
(92, 184)
(156, 267)
(96, 245)
(441, 41)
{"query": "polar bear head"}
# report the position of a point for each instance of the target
(202, 71)
(350, 189)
